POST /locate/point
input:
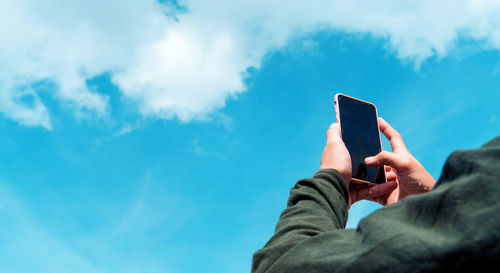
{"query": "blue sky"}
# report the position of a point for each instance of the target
(106, 169)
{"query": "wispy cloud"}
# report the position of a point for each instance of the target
(184, 63)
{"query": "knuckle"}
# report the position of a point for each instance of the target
(384, 154)
(395, 133)
(332, 136)
(405, 164)
(370, 192)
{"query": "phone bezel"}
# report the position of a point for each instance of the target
(359, 182)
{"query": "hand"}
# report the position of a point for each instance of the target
(401, 166)
(337, 157)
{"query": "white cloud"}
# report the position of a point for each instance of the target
(187, 68)
(186, 74)
(67, 42)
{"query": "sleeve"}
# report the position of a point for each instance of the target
(454, 227)
(315, 206)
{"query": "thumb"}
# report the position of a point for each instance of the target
(376, 190)
(384, 158)
(333, 133)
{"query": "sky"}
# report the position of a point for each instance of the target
(145, 136)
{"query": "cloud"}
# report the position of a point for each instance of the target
(66, 43)
(183, 59)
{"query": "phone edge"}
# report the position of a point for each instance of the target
(337, 119)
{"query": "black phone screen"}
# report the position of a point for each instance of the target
(360, 133)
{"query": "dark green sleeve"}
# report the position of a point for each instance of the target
(315, 206)
(456, 226)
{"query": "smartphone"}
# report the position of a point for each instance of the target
(358, 122)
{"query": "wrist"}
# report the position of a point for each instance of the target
(346, 176)
(333, 176)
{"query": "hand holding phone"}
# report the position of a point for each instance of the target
(381, 176)
(401, 166)
(335, 156)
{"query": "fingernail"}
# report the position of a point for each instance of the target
(370, 159)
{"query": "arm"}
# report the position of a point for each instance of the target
(317, 205)
(454, 227)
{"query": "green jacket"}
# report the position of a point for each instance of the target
(456, 226)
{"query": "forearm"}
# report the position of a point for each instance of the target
(315, 205)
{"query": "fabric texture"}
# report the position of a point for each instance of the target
(454, 227)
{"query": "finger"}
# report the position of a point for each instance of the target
(382, 199)
(377, 190)
(390, 176)
(392, 135)
(333, 133)
(388, 168)
(384, 158)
